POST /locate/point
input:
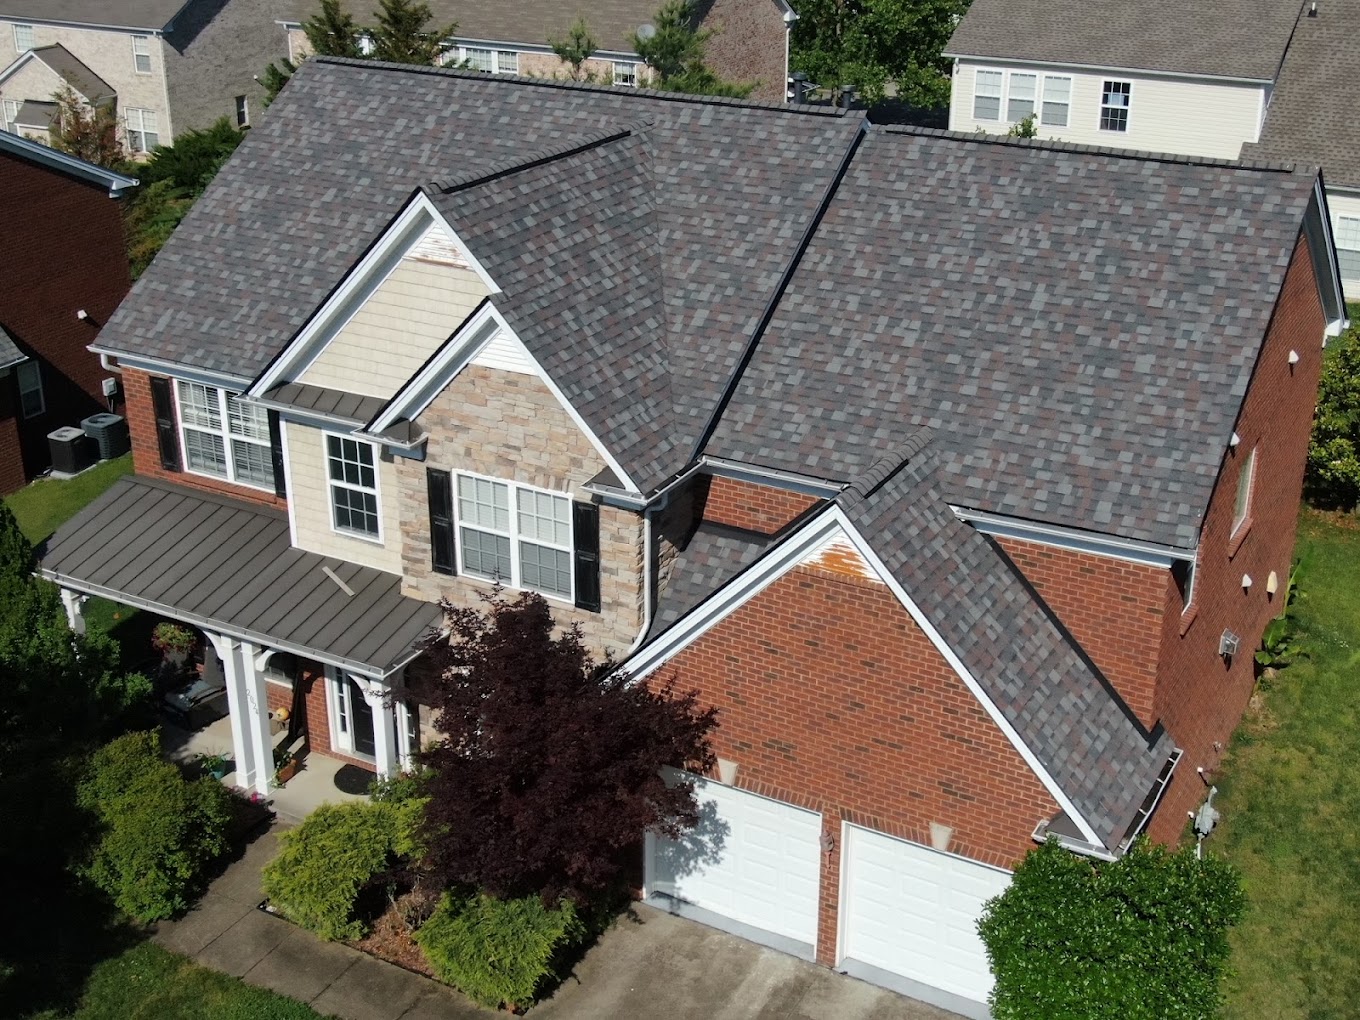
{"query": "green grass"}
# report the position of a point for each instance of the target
(1291, 805)
(148, 983)
(48, 503)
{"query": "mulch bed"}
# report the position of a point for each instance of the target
(389, 940)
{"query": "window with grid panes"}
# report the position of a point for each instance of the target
(354, 486)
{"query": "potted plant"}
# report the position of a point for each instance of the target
(216, 765)
(174, 642)
(286, 765)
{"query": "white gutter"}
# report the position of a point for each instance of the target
(1198, 76)
(1149, 553)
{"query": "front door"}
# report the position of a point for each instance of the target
(362, 715)
(351, 717)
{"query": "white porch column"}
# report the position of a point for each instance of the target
(380, 700)
(74, 604)
(252, 743)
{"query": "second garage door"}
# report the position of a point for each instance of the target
(911, 912)
(751, 866)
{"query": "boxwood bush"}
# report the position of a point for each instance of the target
(158, 832)
(499, 952)
(1144, 937)
(327, 861)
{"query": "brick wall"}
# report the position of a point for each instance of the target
(747, 44)
(509, 426)
(12, 475)
(1200, 697)
(212, 55)
(831, 698)
(1112, 607)
(146, 451)
(63, 251)
(762, 508)
(319, 718)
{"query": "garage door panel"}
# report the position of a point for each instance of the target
(753, 860)
(911, 911)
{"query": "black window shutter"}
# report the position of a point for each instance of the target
(442, 547)
(166, 433)
(585, 519)
(276, 451)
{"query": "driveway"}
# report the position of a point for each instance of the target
(650, 964)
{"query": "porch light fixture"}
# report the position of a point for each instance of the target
(828, 843)
(940, 835)
(727, 771)
(1228, 643)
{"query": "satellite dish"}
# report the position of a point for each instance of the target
(646, 31)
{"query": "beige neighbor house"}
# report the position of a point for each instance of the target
(1249, 79)
(750, 41)
(766, 399)
(167, 65)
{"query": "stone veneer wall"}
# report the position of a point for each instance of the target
(509, 426)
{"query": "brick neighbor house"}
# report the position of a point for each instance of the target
(958, 472)
(748, 41)
(63, 254)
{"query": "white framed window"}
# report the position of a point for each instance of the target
(1022, 95)
(143, 135)
(141, 54)
(242, 111)
(491, 61)
(625, 73)
(223, 436)
(1242, 503)
(1347, 234)
(1057, 105)
(23, 38)
(507, 62)
(515, 534)
(352, 468)
(1115, 97)
(987, 86)
(31, 399)
(9, 113)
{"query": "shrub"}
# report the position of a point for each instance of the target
(159, 832)
(327, 861)
(498, 951)
(1332, 480)
(1141, 938)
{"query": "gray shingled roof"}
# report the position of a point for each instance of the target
(34, 113)
(1312, 114)
(149, 14)
(1065, 712)
(573, 241)
(9, 351)
(612, 22)
(1224, 38)
(344, 147)
(1081, 325)
(72, 70)
(713, 555)
(215, 561)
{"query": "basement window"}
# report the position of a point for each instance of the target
(31, 389)
(1242, 504)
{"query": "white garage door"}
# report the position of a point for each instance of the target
(750, 860)
(912, 912)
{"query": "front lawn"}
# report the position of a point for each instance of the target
(43, 506)
(1290, 799)
(148, 983)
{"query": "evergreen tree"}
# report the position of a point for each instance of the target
(331, 32)
(675, 52)
(403, 35)
(576, 47)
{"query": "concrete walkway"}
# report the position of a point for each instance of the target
(649, 964)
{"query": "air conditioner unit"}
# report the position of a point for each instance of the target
(110, 432)
(71, 449)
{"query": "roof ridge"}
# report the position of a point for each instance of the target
(1054, 145)
(886, 467)
(506, 167)
(580, 86)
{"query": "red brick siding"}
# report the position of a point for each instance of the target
(277, 696)
(1112, 607)
(146, 452)
(319, 719)
(63, 251)
(12, 474)
(761, 508)
(1199, 698)
(747, 44)
(830, 697)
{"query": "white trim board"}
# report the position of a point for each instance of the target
(1146, 553)
(404, 232)
(782, 558)
(1105, 68)
(483, 327)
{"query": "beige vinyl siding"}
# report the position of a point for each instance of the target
(310, 504)
(1346, 205)
(1185, 116)
(405, 320)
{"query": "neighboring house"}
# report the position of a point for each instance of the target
(63, 255)
(169, 66)
(959, 473)
(1249, 79)
(750, 41)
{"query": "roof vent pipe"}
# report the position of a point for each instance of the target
(1312, 9)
